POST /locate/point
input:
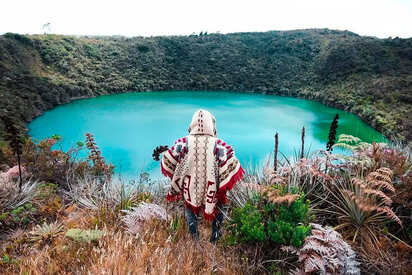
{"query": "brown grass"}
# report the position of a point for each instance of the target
(156, 250)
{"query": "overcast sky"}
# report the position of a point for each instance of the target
(380, 18)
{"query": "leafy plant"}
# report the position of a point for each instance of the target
(287, 216)
(247, 225)
(53, 166)
(325, 252)
(363, 206)
(350, 142)
(277, 216)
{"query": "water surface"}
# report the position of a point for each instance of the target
(127, 127)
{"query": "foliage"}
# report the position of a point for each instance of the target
(367, 76)
(16, 208)
(278, 217)
(135, 217)
(90, 193)
(247, 225)
(100, 167)
(287, 216)
(46, 232)
(49, 165)
(325, 252)
(350, 142)
(363, 206)
(80, 235)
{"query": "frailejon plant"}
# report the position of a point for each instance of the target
(46, 232)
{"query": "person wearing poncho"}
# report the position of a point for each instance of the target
(202, 168)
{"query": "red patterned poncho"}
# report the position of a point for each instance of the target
(202, 167)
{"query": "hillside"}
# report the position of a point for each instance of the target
(367, 76)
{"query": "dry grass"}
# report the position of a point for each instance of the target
(159, 248)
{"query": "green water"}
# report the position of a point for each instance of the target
(127, 127)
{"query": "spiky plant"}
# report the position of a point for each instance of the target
(135, 217)
(10, 198)
(363, 207)
(46, 232)
(117, 195)
(325, 252)
(302, 150)
(14, 136)
(332, 133)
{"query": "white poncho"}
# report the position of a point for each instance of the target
(201, 166)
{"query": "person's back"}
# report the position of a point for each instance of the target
(202, 169)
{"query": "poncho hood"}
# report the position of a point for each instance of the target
(203, 123)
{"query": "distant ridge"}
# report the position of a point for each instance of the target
(367, 76)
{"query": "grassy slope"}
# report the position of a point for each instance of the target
(367, 76)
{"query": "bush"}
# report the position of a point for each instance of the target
(283, 222)
(247, 225)
(287, 223)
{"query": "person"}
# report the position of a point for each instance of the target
(202, 168)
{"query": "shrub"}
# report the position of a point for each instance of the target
(277, 216)
(247, 225)
(49, 165)
(287, 216)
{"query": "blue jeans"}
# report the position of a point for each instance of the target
(191, 220)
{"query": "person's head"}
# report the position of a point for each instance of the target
(203, 123)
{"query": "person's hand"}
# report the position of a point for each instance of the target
(158, 150)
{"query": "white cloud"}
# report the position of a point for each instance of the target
(381, 18)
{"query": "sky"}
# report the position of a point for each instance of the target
(380, 18)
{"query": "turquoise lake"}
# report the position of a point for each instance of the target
(127, 127)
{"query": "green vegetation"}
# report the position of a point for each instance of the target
(282, 219)
(364, 75)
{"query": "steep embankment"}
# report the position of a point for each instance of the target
(367, 76)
